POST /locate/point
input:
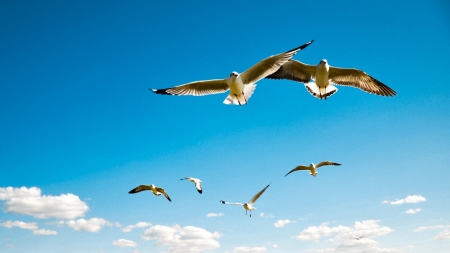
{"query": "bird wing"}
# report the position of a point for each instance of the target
(300, 167)
(231, 203)
(161, 190)
(295, 71)
(198, 88)
(359, 79)
(327, 163)
(198, 185)
(269, 65)
(256, 197)
(140, 188)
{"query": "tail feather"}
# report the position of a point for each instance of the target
(320, 92)
(237, 99)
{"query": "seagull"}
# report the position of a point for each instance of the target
(241, 86)
(196, 181)
(248, 206)
(326, 76)
(155, 189)
(312, 167)
(358, 238)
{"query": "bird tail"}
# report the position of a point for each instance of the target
(240, 99)
(320, 92)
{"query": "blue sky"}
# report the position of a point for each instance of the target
(79, 128)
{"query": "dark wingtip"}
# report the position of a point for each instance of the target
(132, 191)
(168, 198)
(223, 202)
(200, 191)
(160, 91)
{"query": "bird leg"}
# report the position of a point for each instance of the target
(244, 98)
(250, 214)
(237, 99)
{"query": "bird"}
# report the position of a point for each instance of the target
(358, 238)
(155, 189)
(326, 76)
(241, 86)
(312, 167)
(196, 181)
(248, 206)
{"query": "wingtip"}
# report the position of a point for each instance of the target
(132, 191)
(200, 191)
(221, 201)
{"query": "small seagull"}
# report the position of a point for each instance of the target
(248, 206)
(312, 167)
(325, 76)
(241, 86)
(156, 190)
(196, 181)
(358, 238)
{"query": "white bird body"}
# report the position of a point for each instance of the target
(312, 167)
(153, 188)
(326, 76)
(249, 205)
(196, 181)
(241, 86)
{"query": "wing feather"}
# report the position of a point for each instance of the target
(300, 167)
(295, 71)
(198, 88)
(256, 197)
(161, 190)
(327, 163)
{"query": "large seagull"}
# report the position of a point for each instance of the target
(241, 86)
(325, 76)
(249, 205)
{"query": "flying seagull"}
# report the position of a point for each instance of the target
(312, 167)
(358, 238)
(326, 76)
(196, 181)
(248, 206)
(156, 190)
(241, 86)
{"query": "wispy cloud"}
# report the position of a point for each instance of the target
(91, 225)
(248, 249)
(266, 215)
(44, 232)
(182, 239)
(141, 224)
(411, 199)
(419, 229)
(282, 223)
(28, 225)
(124, 243)
(445, 235)
(413, 211)
(209, 215)
(29, 201)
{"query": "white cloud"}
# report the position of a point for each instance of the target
(419, 229)
(209, 215)
(44, 232)
(445, 235)
(182, 239)
(275, 246)
(282, 223)
(266, 215)
(20, 224)
(411, 199)
(28, 201)
(316, 232)
(124, 243)
(141, 224)
(91, 225)
(247, 249)
(413, 211)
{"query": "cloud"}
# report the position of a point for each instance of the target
(44, 232)
(282, 223)
(411, 199)
(141, 224)
(266, 215)
(445, 235)
(124, 243)
(247, 249)
(413, 211)
(20, 224)
(28, 201)
(419, 229)
(209, 215)
(91, 225)
(182, 239)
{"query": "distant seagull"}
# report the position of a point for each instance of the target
(196, 181)
(241, 86)
(312, 168)
(358, 238)
(325, 76)
(156, 190)
(248, 206)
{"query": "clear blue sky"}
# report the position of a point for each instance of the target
(79, 128)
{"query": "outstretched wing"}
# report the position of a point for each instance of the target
(198, 185)
(231, 203)
(269, 65)
(199, 88)
(359, 79)
(256, 197)
(295, 71)
(140, 188)
(300, 167)
(327, 163)
(161, 190)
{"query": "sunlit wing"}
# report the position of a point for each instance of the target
(300, 167)
(327, 163)
(231, 203)
(161, 190)
(198, 185)
(199, 88)
(269, 65)
(359, 79)
(295, 71)
(255, 198)
(140, 188)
